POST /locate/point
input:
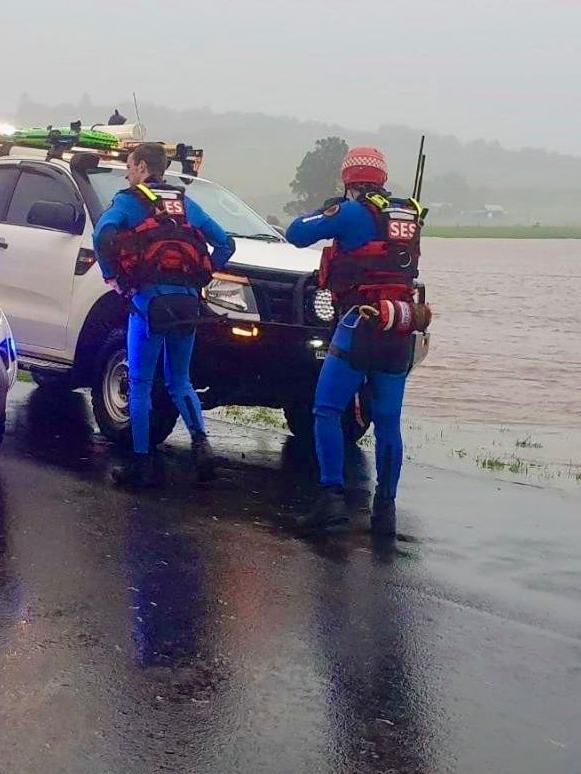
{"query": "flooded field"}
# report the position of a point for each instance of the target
(506, 344)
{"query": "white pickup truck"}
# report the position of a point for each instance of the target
(265, 328)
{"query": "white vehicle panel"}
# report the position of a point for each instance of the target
(279, 256)
(36, 283)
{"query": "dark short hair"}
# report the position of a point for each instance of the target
(154, 156)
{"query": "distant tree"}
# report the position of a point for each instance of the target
(318, 176)
(85, 103)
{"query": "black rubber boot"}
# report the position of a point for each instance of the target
(383, 516)
(138, 473)
(329, 514)
(203, 458)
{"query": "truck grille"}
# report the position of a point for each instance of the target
(283, 296)
(275, 300)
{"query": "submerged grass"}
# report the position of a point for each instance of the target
(528, 443)
(509, 464)
(514, 465)
(490, 463)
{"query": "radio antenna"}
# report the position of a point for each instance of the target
(137, 112)
(418, 195)
(419, 170)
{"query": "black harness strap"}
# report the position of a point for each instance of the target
(340, 353)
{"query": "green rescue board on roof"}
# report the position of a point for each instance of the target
(38, 137)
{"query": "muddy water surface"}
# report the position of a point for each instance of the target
(506, 344)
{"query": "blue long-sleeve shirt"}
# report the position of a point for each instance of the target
(349, 222)
(128, 211)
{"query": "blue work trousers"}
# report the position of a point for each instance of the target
(143, 350)
(338, 384)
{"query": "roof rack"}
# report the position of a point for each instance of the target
(62, 143)
(55, 144)
(190, 158)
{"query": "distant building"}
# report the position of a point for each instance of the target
(482, 216)
(494, 211)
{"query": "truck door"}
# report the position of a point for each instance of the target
(40, 236)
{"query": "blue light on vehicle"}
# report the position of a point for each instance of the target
(7, 351)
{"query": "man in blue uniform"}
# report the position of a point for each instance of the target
(152, 246)
(370, 270)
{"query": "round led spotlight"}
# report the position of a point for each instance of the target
(323, 305)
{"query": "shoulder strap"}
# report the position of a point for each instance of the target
(378, 200)
(147, 192)
(377, 204)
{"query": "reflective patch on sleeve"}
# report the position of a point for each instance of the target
(331, 211)
(311, 217)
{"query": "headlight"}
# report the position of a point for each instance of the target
(322, 301)
(233, 297)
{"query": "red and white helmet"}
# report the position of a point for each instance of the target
(364, 165)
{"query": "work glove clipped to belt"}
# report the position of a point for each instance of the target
(403, 317)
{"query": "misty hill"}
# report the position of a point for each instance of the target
(257, 155)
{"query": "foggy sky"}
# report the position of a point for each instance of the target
(494, 69)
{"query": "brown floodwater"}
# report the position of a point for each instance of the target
(506, 334)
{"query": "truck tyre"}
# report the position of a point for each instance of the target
(50, 381)
(299, 418)
(110, 395)
(356, 419)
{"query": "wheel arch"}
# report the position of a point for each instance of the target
(107, 313)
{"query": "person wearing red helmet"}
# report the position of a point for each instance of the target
(370, 269)
(366, 166)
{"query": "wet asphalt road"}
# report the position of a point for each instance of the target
(190, 631)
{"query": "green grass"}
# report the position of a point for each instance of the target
(515, 465)
(255, 415)
(518, 466)
(504, 232)
(491, 463)
(24, 376)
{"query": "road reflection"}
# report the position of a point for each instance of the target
(56, 427)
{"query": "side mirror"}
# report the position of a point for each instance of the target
(58, 216)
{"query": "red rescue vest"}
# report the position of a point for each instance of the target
(383, 269)
(164, 247)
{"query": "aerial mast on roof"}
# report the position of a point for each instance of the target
(137, 113)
